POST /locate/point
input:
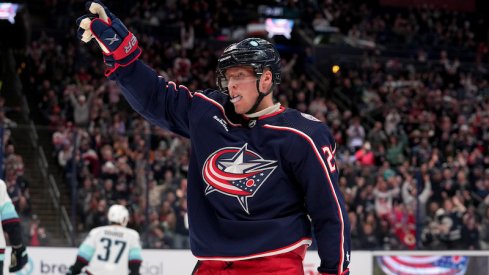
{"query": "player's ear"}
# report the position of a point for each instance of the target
(266, 79)
(268, 74)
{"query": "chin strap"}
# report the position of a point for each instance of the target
(268, 110)
(261, 96)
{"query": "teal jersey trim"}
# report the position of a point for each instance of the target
(86, 252)
(8, 211)
(135, 254)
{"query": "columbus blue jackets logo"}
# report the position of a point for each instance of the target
(236, 172)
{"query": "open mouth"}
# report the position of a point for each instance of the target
(236, 99)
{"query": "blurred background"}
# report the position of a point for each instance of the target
(402, 84)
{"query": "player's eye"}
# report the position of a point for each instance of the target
(240, 76)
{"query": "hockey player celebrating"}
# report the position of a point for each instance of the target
(11, 225)
(262, 177)
(110, 249)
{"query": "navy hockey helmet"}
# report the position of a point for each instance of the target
(255, 52)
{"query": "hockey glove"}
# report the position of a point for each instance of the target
(119, 46)
(18, 259)
(76, 268)
(71, 271)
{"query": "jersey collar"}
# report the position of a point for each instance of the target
(267, 112)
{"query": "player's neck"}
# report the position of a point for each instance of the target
(269, 110)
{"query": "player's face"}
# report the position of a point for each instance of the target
(242, 88)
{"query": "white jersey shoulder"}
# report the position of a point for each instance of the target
(6, 210)
(3, 193)
(111, 249)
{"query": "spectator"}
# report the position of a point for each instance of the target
(81, 107)
(37, 233)
(470, 233)
(356, 135)
(365, 156)
(414, 200)
(484, 228)
(385, 191)
(449, 220)
(181, 240)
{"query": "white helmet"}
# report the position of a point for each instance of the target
(118, 214)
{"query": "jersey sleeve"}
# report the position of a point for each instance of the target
(135, 250)
(7, 208)
(10, 218)
(87, 248)
(162, 102)
(316, 171)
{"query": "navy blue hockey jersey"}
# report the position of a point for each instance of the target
(254, 185)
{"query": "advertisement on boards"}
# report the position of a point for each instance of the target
(56, 261)
(429, 264)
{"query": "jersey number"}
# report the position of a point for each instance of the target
(108, 247)
(329, 158)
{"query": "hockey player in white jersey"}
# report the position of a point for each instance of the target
(11, 225)
(110, 249)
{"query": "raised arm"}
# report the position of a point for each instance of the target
(161, 102)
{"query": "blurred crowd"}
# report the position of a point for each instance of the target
(412, 144)
(17, 183)
(415, 153)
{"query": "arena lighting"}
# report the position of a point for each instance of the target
(8, 11)
(335, 69)
(279, 26)
(14, 25)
